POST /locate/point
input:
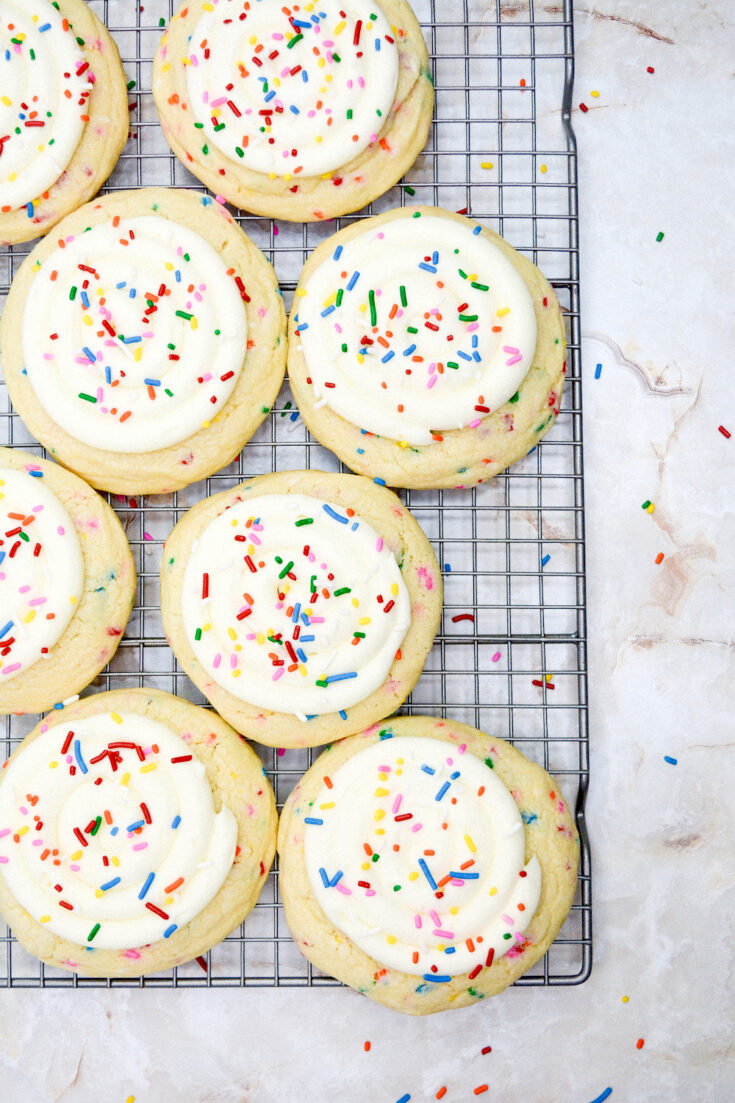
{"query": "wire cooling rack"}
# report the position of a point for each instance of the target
(502, 150)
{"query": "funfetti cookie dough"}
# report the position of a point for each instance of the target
(295, 111)
(63, 112)
(302, 604)
(67, 583)
(426, 864)
(144, 341)
(136, 831)
(424, 350)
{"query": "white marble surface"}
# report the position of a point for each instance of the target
(656, 153)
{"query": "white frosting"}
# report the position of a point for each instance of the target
(41, 570)
(272, 607)
(294, 94)
(143, 350)
(435, 328)
(380, 823)
(105, 878)
(43, 99)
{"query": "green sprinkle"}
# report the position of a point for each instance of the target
(451, 364)
(168, 392)
(659, 237)
(410, 190)
(373, 311)
(239, 152)
(305, 521)
(646, 504)
(344, 590)
(131, 84)
(489, 762)
(340, 293)
(183, 314)
(375, 858)
(93, 932)
(359, 635)
(72, 293)
(294, 40)
(515, 397)
(396, 888)
(480, 286)
(468, 317)
(198, 634)
(286, 569)
(96, 827)
(349, 113)
(344, 348)
(404, 299)
(205, 150)
(411, 329)
(87, 397)
(417, 214)
(265, 409)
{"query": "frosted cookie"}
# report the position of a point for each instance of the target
(425, 350)
(67, 583)
(426, 864)
(136, 831)
(144, 344)
(302, 604)
(63, 112)
(295, 111)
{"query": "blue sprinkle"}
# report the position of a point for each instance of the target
(131, 292)
(380, 482)
(45, 27)
(450, 949)
(455, 775)
(313, 716)
(135, 826)
(340, 677)
(343, 714)
(302, 327)
(336, 879)
(442, 791)
(427, 874)
(29, 209)
(295, 109)
(304, 621)
(78, 754)
(169, 931)
(545, 560)
(120, 285)
(385, 735)
(388, 356)
(464, 355)
(175, 822)
(427, 267)
(474, 341)
(178, 275)
(131, 340)
(300, 23)
(337, 253)
(304, 76)
(428, 770)
(670, 760)
(353, 280)
(294, 415)
(314, 820)
(437, 978)
(355, 526)
(464, 876)
(307, 639)
(296, 612)
(477, 230)
(90, 355)
(361, 451)
(403, 1099)
(114, 830)
(111, 884)
(409, 350)
(336, 516)
(435, 258)
(6, 628)
(301, 654)
(36, 474)
(448, 568)
(85, 299)
(528, 817)
(152, 382)
(270, 96)
(108, 374)
(330, 310)
(598, 371)
(476, 357)
(601, 1098)
(58, 705)
(323, 875)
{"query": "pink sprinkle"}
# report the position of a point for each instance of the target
(216, 660)
(10, 669)
(38, 601)
(37, 842)
(147, 536)
(431, 382)
(140, 846)
(443, 934)
(518, 936)
(280, 751)
(397, 802)
(218, 102)
(462, 748)
(5, 831)
(417, 827)
(508, 919)
(417, 921)
(61, 530)
(278, 674)
(496, 656)
(233, 661)
(477, 421)
(436, 918)
(131, 954)
(370, 892)
(3, 859)
(340, 888)
(75, 868)
(513, 360)
(379, 544)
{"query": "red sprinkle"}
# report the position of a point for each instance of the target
(463, 616)
(724, 432)
(583, 107)
(486, 1049)
(639, 1044)
(650, 69)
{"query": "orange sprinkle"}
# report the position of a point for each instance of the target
(174, 884)
(639, 1044)
(441, 1093)
(480, 1089)
(366, 1046)
(659, 558)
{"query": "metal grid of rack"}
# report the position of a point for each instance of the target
(502, 150)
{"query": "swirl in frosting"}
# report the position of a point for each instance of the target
(294, 604)
(291, 90)
(44, 96)
(135, 334)
(41, 569)
(417, 325)
(415, 850)
(108, 832)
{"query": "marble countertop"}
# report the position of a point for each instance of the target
(656, 155)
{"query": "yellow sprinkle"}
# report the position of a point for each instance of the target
(595, 93)
(543, 168)
(326, 176)
(301, 292)
(98, 893)
(302, 669)
(72, 600)
(288, 176)
(394, 589)
(52, 765)
(503, 311)
(237, 647)
(650, 507)
(625, 999)
(470, 845)
(487, 165)
(454, 911)
(207, 627)
(271, 176)
(137, 355)
(125, 779)
(549, 677)
(29, 616)
(381, 792)
(236, 673)
(233, 522)
(147, 768)
(340, 27)
(383, 777)
(115, 860)
(329, 804)
(232, 633)
(22, 830)
(76, 855)
(378, 816)
(116, 717)
(355, 603)
(45, 919)
(131, 1098)
(364, 620)
(86, 320)
(391, 939)
(402, 443)
(412, 876)
(6, 100)
(260, 638)
(379, 831)
(169, 266)
(365, 865)
(493, 891)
